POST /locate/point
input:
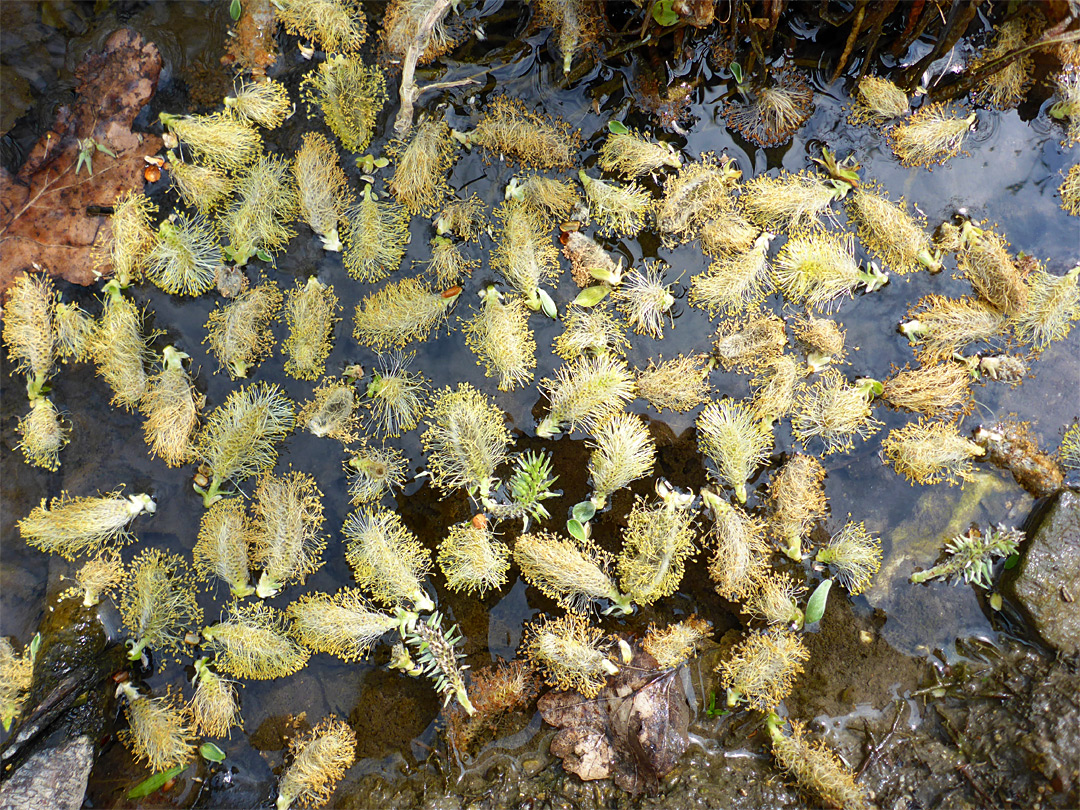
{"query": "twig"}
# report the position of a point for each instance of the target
(971, 78)
(876, 749)
(409, 89)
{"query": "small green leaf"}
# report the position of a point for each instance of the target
(381, 163)
(547, 304)
(234, 9)
(577, 531)
(584, 511)
(155, 783)
(996, 601)
(736, 71)
(35, 645)
(664, 14)
(618, 128)
(591, 296)
(211, 752)
(815, 607)
(1012, 561)
(263, 255)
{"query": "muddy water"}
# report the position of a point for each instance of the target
(870, 649)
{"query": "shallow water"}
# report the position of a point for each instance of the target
(1010, 178)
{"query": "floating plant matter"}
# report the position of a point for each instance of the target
(311, 311)
(258, 218)
(400, 312)
(221, 140)
(224, 546)
(322, 190)
(854, 555)
(157, 731)
(466, 440)
(376, 238)
(775, 111)
(814, 766)
(287, 531)
(472, 559)
(42, 434)
(319, 760)
(158, 604)
(253, 642)
(538, 141)
(185, 256)
(878, 101)
(214, 706)
(373, 472)
(631, 155)
(239, 437)
(332, 411)
(500, 336)
(573, 573)
(337, 25)
(569, 652)
(732, 438)
(265, 103)
(172, 408)
(585, 391)
(72, 526)
(835, 412)
(350, 94)
(239, 330)
(929, 452)
(396, 396)
(762, 669)
(932, 135)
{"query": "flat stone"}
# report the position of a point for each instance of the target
(1047, 581)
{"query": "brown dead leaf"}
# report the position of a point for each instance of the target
(634, 730)
(44, 215)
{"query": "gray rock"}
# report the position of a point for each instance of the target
(51, 779)
(1047, 582)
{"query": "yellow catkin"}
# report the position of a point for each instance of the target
(345, 624)
(679, 385)
(319, 760)
(157, 731)
(569, 652)
(932, 135)
(239, 331)
(159, 604)
(472, 559)
(815, 767)
(677, 643)
(731, 436)
(311, 310)
(762, 669)
(539, 141)
(928, 452)
(337, 25)
(287, 530)
(422, 164)
(172, 406)
(322, 190)
(28, 329)
(500, 336)
(253, 642)
(42, 435)
(214, 707)
(351, 96)
(331, 411)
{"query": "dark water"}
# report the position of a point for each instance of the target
(1010, 178)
